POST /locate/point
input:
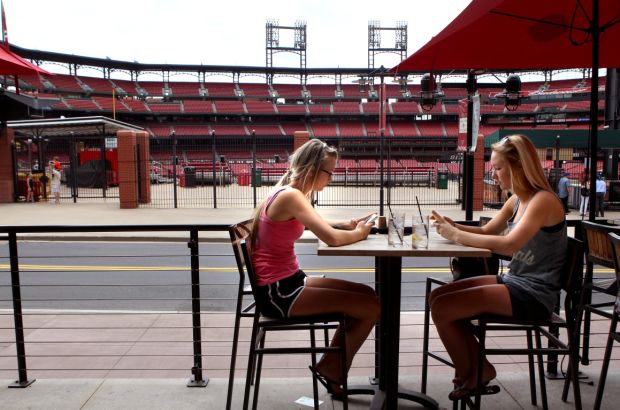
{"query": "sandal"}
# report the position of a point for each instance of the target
(465, 393)
(328, 384)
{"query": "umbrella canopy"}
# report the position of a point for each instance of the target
(521, 34)
(12, 64)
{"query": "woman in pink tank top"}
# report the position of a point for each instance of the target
(284, 289)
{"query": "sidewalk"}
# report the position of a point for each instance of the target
(113, 383)
(68, 213)
(119, 388)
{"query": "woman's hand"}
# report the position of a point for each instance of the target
(352, 223)
(363, 228)
(444, 225)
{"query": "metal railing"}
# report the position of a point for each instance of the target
(25, 298)
(137, 308)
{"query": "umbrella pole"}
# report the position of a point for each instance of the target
(594, 110)
(469, 152)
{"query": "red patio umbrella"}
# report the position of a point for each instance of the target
(528, 34)
(12, 64)
(522, 34)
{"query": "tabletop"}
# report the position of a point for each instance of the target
(376, 245)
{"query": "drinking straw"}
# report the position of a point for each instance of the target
(421, 217)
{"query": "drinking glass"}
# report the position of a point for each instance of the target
(396, 228)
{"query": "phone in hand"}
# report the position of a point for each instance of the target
(371, 218)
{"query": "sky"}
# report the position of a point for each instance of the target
(216, 32)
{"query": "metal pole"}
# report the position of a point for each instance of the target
(213, 176)
(198, 380)
(17, 315)
(174, 168)
(557, 152)
(469, 155)
(594, 110)
(75, 163)
(381, 145)
(253, 174)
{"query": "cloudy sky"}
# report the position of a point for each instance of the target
(220, 31)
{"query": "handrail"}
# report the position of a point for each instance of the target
(192, 231)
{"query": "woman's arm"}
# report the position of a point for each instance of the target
(544, 209)
(348, 224)
(495, 226)
(291, 203)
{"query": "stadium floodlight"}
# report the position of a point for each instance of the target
(430, 92)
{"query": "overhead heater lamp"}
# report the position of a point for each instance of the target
(513, 92)
(428, 92)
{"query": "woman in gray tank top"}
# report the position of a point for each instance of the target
(531, 229)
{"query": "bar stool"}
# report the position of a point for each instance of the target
(262, 325)
(614, 335)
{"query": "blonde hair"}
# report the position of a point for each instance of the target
(305, 164)
(526, 172)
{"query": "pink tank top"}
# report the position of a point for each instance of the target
(274, 252)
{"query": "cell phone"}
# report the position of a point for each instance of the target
(371, 218)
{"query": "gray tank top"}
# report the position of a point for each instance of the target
(536, 268)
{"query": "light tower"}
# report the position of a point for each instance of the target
(272, 44)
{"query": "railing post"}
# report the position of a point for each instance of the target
(17, 315)
(213, 171)
(198, 380)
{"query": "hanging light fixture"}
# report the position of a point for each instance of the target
(430, 93)
(512, 94)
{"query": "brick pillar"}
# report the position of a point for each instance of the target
(127, 175)
(142, 139)
(479, 174)
(300, 138)
(6, 165)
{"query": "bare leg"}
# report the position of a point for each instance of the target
(357, 301)
(450, 311)
(461, 284)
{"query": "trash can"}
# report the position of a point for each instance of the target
(243, 178)
(257, 177)
(442, 180)
(190, 177)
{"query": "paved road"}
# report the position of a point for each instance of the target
(156, 276)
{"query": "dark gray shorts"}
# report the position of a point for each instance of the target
(524, 306)
(277, 298)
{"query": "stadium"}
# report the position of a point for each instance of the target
(218, 143)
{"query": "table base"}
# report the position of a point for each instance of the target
(378, 401)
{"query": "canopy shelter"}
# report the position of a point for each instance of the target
(84, 126)
(516, 35)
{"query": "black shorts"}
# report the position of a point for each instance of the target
(277, 298)
(524, 306)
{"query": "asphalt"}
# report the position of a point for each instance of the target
(115, 390)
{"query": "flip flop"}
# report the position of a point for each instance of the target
(464, 393)
(327, 383)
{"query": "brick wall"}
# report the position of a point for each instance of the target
(6, 166)
(127, 177)
(300, 138)
(479, 174)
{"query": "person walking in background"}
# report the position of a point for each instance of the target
(531, 228)
(284, 289)
(30, 188)
(563, 187)
(55, 183)
(57, 165)
(584, 192)
(601, 190)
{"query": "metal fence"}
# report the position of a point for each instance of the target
(224, 171)
(237, 171)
